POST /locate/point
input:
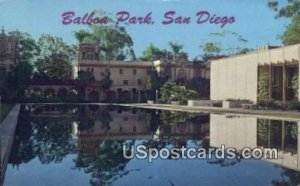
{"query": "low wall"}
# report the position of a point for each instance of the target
(7, 131)
(200, 103)
(231, 104)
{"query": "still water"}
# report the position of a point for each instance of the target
(83, 145)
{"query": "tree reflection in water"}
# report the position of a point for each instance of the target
(107, 164)
(288, 177)
(50, 140)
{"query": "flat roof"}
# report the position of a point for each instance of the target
(258, 52)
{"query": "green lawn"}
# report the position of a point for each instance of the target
(5, 108)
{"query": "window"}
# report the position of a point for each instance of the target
(92, 70)
(125, 82)
(148, 71)
(134, 71)
(88, 69)
(139, 82)
(120, 71)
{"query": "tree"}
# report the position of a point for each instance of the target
(107, 164)
(290, 10)
(112, 40)
(210, 50)
(200, 85)
(84, 78)
(83, 36)
(55, 57)
(213, 49)
(292, 34)
(175, 49)
(19, 78)
(152, 53)
(168, 117)
(27, 47)
(105, 82)
(154, 83)
(173, 92)
(245, 50)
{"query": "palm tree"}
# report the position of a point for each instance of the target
(175, 49)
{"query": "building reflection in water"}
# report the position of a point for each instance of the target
(131, 124)
(95, 135)
(240, 132)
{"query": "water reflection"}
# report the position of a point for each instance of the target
(240, 132)
(94, 136)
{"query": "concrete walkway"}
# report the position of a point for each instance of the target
(267, 114)
(7, 131)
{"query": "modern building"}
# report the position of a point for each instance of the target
(8, 52)
(269, 73)
(129, 78)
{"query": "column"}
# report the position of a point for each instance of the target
(298, 144)
(283, 84)
(283, 136)
(298, 61)
(270, 82)
(298, 79)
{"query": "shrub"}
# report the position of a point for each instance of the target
(263, 104)
(239, 100)
(263, 86)
(293, 105)
(173, 92)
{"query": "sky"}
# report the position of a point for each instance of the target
(254, 21)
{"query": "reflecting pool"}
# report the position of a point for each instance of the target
(83, 145)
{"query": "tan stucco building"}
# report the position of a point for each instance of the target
(237, 77)
(129, 78)
(182, 69)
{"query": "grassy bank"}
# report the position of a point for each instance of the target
(5, 108)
